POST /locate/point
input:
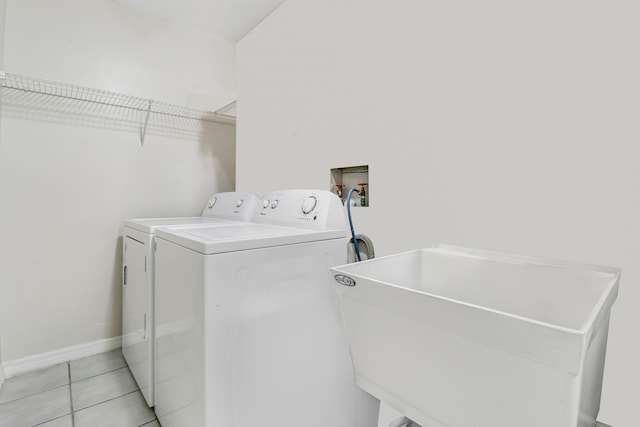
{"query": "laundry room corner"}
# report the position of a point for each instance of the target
(71, 171)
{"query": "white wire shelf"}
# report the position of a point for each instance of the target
(68, 93)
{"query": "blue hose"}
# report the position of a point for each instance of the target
(353, 233)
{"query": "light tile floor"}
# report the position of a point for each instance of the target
(97, 391)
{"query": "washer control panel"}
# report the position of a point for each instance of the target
(313, 209)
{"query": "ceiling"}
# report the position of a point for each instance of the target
(229, 19)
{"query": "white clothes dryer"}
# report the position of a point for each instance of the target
(248, 328)
(138, 235)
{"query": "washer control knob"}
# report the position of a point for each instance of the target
(212, 202)
(265, 203)
(239, 203)
(309, 204)
(274, 204)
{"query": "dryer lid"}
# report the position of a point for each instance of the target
(149, 225)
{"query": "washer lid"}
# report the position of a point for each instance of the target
(149, 225)
(209, 240)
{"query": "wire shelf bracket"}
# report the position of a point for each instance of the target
(146, 123)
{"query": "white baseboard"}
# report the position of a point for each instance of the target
(45, 360)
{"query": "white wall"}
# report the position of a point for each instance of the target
(3, 8)
(68, 180)
(503, 125)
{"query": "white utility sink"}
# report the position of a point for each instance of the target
(456, 337)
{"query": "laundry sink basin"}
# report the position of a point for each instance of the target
(457, 337)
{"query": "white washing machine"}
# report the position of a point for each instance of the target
(138, 345)
(248, 328)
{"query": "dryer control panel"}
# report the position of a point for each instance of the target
(310, 209)
(231, 205)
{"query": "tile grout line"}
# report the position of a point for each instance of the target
(73, 417)
(103, 373)
(110, 399)
(48, 421)
(33, 394)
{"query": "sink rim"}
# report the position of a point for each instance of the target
(589, 323)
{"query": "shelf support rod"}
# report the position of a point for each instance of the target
(146, 122)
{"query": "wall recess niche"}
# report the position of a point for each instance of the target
(342, 180)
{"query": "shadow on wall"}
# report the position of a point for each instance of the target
(217, 142)
(46, 108)
(116, 290)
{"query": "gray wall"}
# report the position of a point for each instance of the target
(501, 125)
(3, 7)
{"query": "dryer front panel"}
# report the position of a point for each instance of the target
(136, 316)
